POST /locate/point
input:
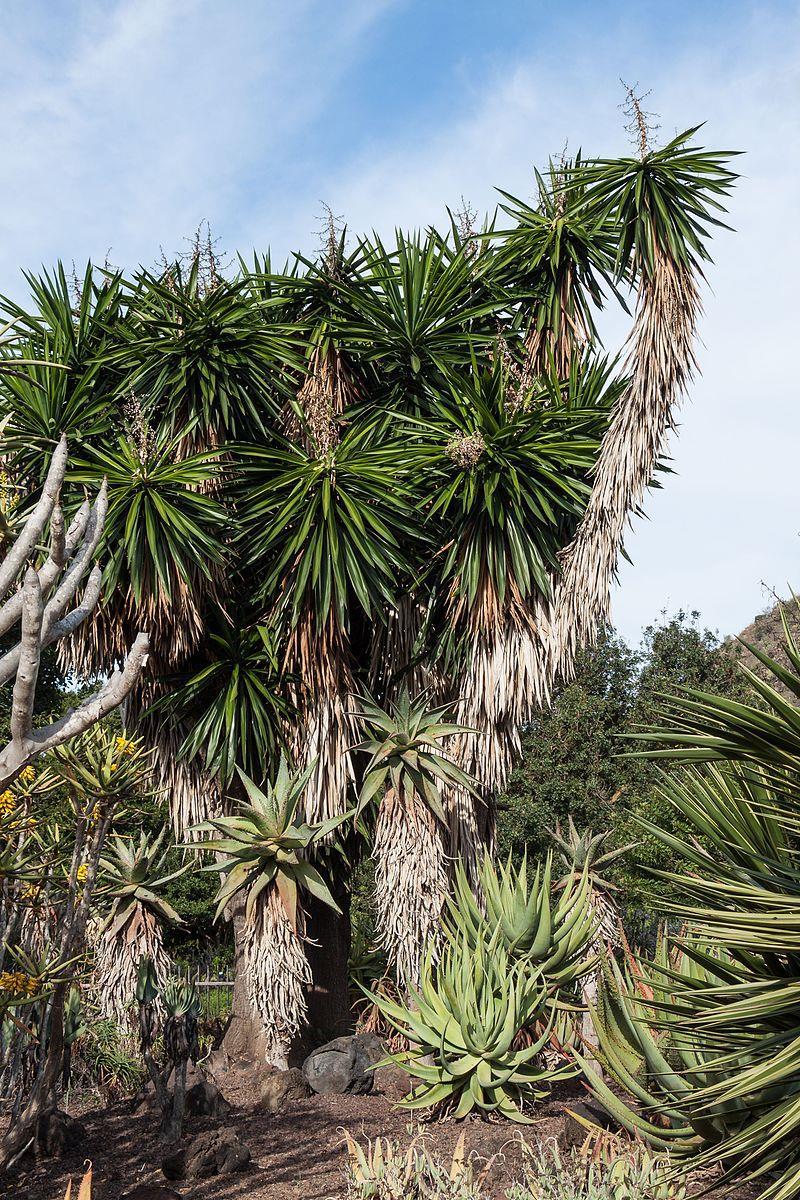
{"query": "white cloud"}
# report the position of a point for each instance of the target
(730, 518)
(125, 123)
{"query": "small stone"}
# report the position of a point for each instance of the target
(217, 1151)
(279, 1089)
(237, 1158)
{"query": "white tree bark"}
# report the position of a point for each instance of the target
(45, 607)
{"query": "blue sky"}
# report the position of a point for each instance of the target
(127, 122)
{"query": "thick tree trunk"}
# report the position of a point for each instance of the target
(329, 1012)
(244, 1040)
(328, 950)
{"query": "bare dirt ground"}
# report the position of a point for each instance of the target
(298, 1154)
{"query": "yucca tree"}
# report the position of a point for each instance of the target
(132, 873)
(506, 481)
(663, 204)
(378, 455)
(263, 853)
(330, 529)
(407, 771)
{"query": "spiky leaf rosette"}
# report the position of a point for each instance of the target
(663, 206)
(582, 853)
(507, 482)
(71, 326)
(561, 254)
(210, 359)
(103, 768)
(417, 310)
(331, 531)
(229, 712)
(551, 932)
(262, 853)
(164, 545)
(462, 1025)
(407, 769)
(131, 875)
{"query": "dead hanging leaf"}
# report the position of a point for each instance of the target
(85, 1190)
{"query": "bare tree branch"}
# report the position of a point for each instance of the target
(34, 526)
(29, 653)
(11, 610)
(44, 621)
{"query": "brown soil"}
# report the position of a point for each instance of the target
(297, 1154)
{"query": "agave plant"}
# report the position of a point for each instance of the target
(263, 853)
(408, 768)
(132, 873)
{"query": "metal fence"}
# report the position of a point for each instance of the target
(214, 985)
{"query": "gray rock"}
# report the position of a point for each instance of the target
(280, 1088)
(204, 1099)
(344, 1065)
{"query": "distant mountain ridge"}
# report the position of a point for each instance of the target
(766, 633)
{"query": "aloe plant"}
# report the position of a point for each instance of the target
(463, 1026)
(549, 931)
(132, 873)
(262, 854)
(408, 768)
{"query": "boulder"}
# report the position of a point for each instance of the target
(279, 1089)
(216, 1152)
(392, 1081)
(204, 1099)
(344, 1065)
(56, 1134)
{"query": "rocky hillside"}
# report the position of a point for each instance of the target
(766, 633)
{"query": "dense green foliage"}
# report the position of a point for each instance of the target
(574, 754)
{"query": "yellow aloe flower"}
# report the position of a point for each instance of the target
(17, 984)
(7, 803)
(27, 774)
(83, 871)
